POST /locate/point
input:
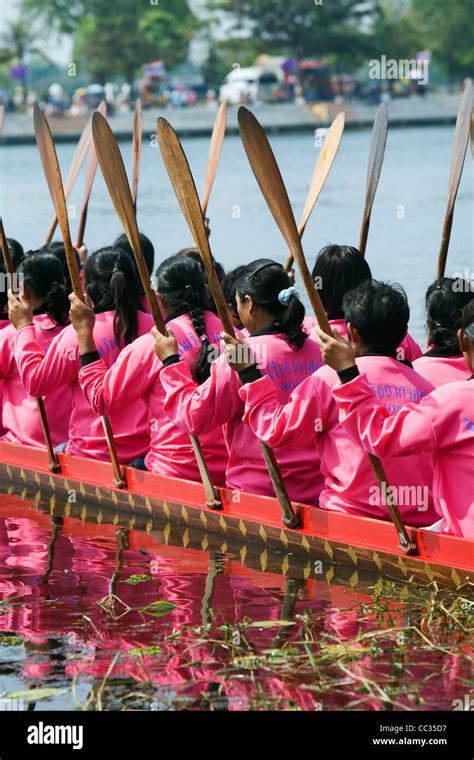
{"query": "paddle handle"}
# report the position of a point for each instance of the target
(7, 258)
(444, 247)
(364, 234)
(82, 226)
(137, 147)
(119, 479)
(406, 545)
(54, 465)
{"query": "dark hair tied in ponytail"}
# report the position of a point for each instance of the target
(181, 283)
(268, 284)
(42, 276)
(201, 367)
(113, 285)
(445, 300)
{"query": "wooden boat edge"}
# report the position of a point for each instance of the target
(332, 537)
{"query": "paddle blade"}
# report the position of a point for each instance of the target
(137, 148)
(460, 142)
(376, 156)
(268, 176)
(112, 167)
(182, 180)
(323, 166)
(461, 139)
(90, 176)
(52, 173)
(269, 179)
(321, 172)
(215, 151)
(77, 160)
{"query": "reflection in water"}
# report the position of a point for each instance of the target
(82, 598)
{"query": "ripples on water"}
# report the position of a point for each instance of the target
(406, 222)
(232, 636)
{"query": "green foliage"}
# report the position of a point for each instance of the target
(300, 28)
(157, 609)
(395, 32)
(139, 578)
(117, 38)
(448, 31)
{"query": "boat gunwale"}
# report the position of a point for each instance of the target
(330, 527)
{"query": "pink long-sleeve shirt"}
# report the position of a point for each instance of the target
(137, 375)
(20, 416)
(312, 413)
(4, 322)
(58, 371)
(409, 348)
(441, 369)
(198, 409)
(442, 424)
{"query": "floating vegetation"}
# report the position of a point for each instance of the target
(179, 629)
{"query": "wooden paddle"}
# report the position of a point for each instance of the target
(461, 139)
(215, 150)
(7, 259)
(137, 149)
(184, 187)
(113, 169)
(91, 170)
(268, 176)
(376, 155)
(52, 173)
(77, 160)
(54, 465)
(321, 172)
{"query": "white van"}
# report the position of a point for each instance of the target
(246, 85)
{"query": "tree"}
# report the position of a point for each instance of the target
(117, 38)
(449, 33)
(18, 41)
(395, 32)
(299, 27)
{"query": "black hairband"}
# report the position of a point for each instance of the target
(265, 266)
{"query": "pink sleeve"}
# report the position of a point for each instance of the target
(295, 423)
(123, 383)
(199, 408)
(382, 434)
(43, 373)
(411, 349)
(5, 360)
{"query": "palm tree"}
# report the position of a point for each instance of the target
(19, 41)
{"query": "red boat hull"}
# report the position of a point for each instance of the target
(328, 537)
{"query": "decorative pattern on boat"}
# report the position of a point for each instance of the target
(264, 547)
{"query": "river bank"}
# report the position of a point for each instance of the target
(198, 121)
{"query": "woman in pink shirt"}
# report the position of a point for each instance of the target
(272, 313)
(377, 317)
(17, 253)
(42, 311)
(113, 287)
(443, 362)
(136, 376)
(337, 270)
(441, 424)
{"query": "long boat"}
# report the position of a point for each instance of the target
(324, 539)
